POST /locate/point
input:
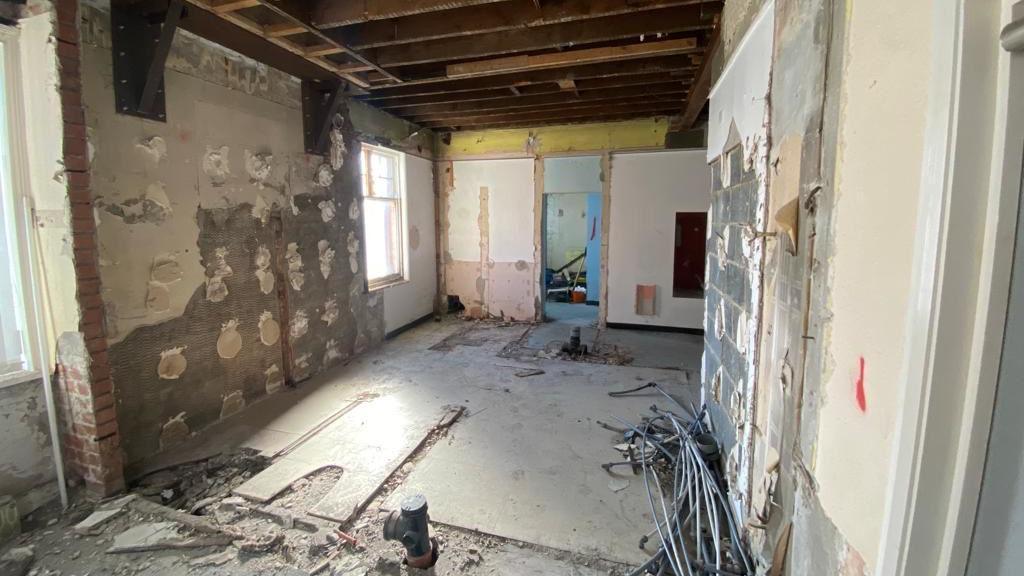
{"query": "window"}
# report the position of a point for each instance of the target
(384, 215)
(15, 352)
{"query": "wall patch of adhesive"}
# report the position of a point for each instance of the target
(720, 321)
(353, 209)
(216, 165)
(326, 257)
(172, 363)
(295, 275)
(353, 252)
(216, 288)
(332, 353)
(165, 270)
(154, 148)
(152, 207)
(270, 330)
(299, 325)
(233, 404)
(741, 333)
(324, 176)
(158, 297)
(229, 344)
(330, 315)
(338, 150)
(275, 379)
(260, 209)
(716, 385)
(258, 166)
(174, 431)
(302, 362)
(327, 210)
(263, 272)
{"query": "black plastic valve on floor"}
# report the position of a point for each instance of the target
(410, 526)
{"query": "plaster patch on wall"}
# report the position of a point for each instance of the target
(338, 150)
(172, 363)
(742, 331)
(270, 330)
(353, 209)
(275, 379)
(153, 148)
(327, 210)
(166, 269)
(158, 297)
(174, 431)
(326, 257)
(720, 321)
(291, 203)
(263, 272)
(324, 176)
(299, 325)
(295, 275)
(216, 165)
(353, 252)
(229, 344)
(258, 166)
(716, 385)
(216, 288)
(302, 362)
(233, 404)
(330, 315)
(152, 207)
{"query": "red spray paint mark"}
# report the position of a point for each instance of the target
(862, 401)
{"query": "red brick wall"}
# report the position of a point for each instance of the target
(91, 442)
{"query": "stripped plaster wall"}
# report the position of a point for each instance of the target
(231, 261)
(409, 301)
(647, 189)
(838, 236)
(489, 258)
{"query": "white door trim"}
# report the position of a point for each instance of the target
(953, 342)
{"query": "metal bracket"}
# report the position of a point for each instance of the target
(140, 43)
(320, 104)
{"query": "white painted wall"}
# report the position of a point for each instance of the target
(647, 189)
(412, 300)
(883, 100)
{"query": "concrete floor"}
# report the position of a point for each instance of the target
(523, 462)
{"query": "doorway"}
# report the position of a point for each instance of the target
(571, 239)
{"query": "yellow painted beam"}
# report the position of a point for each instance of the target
(641, 134)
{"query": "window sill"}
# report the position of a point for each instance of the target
(19, 377)
(385, 283)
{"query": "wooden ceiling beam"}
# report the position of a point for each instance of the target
(569, 58)
(668, 99)
(491, 18)
(412, 88)
(698, 95)
(603, 118)
(225, 6)
(557, 115)
(332, 13)
(649, 23)
(282, 30)
(560, 97)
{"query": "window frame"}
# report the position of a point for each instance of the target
(15, 193)
(400, 200)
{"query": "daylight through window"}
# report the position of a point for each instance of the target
(383, 215)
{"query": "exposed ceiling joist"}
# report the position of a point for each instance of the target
(573, 34)
(331, 13)
(666, 65)
(562, 115)
(512, 124)
(698, 95)
(670, 99)
(490, 18)
(569, 58)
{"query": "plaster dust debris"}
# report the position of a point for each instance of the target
(264, 274)
(270, 330)
(229, 344)
(295, 275)
(172, 363)
(216, 165)
(326, 258)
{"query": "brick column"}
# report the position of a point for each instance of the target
(92, 447)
